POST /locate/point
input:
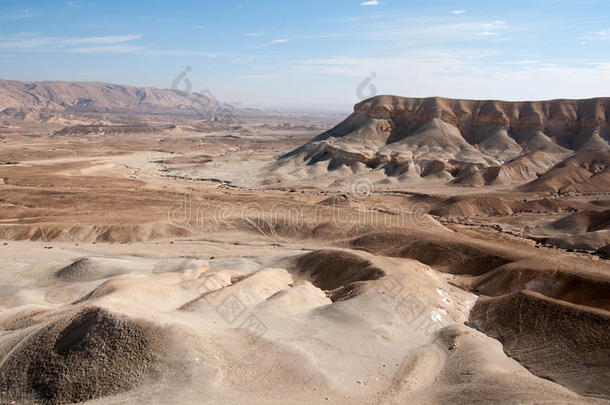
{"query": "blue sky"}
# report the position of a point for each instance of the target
(315, 54)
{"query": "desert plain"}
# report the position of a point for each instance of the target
(155, 249)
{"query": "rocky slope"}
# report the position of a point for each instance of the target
(462, 141)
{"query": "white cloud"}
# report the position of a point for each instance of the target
(16, 15)
(523, 62)
(252, 34)
(107, 49)
(494, 24)
(428, 31)
(180, 52)
(71, 4)
(74, 44)
(410, 64)
(271, 43)
(458, 11)
(103, 40)
(601, 35)
(370, 3)
(198, 27)
(119, 44)
(447, 74)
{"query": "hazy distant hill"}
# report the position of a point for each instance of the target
(74, 97)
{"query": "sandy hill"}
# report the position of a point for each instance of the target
(467, 142)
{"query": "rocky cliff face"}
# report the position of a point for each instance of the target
(561, 120)
(465, 141)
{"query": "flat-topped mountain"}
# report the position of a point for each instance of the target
(457, 140)
(571, 124)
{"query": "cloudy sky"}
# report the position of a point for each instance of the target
(316, 54)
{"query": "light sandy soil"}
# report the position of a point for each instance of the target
(178, 267)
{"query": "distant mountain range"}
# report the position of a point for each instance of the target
(52, 97)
